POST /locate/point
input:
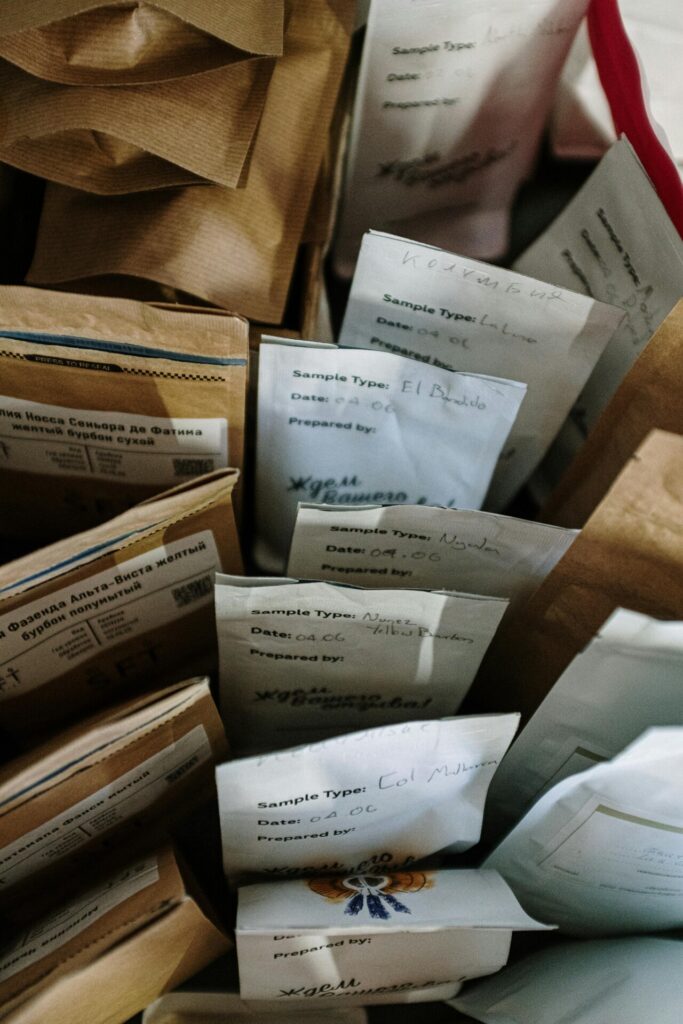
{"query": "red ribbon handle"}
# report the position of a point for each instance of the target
(620, 77)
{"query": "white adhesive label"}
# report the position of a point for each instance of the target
(56, 441)
(50, 636)
(115, 803)
(60, 927)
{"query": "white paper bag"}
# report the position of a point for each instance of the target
(350, 427)
(630, 677)
(613, 241)
(300, 662)
(448, 311)
(381, 798)
(628, 981)
(433, 548)
(451, 102)
(602, 852)
(373, 938)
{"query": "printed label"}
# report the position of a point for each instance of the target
(59, 928)
(50, 636)
(56, 441)
(116, 802)
(620, 851)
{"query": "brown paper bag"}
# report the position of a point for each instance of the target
(83, 42)
(134, 138)
(121, 608)
(129, 935)
(121, 775)
(650, 396)
(234, 248)
(628, 555)
(106, 402)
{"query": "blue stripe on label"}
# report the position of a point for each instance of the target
(82, 556)
(121, 347)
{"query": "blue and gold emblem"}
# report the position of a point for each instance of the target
(377, 893)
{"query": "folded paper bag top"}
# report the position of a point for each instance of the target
(86, 42)
(127, 605)
(235, 248)
(145, 762)
(444, 548)
(387, 796)
(101, 957)
(122, 139)
(331, 652)
(112, 401)
(374, 936)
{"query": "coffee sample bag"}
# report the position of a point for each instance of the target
(86, 42)
(126, 773)
(126, 606)
(234, 248)
(120, 139)
(374, 937)
(109, 401)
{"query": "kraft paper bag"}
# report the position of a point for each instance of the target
(105, 784)
(629, 554)
(648, 397)
(83, 42)
(107, 402)
(130, 934)
(233, 248)
(121, 139)
(122, 608)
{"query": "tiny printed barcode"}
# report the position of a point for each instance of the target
(192, 591)
(192, 467)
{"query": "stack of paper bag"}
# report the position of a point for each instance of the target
(137, 767)
(114, 128)
(108, 952)
(124, 607)
(234, 248)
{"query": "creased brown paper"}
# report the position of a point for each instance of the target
(649, 397)
(120, 42)
(628, 555)
(235, 249)
(140, 940)
(134, 138)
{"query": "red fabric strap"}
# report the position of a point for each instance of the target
(620, 77)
